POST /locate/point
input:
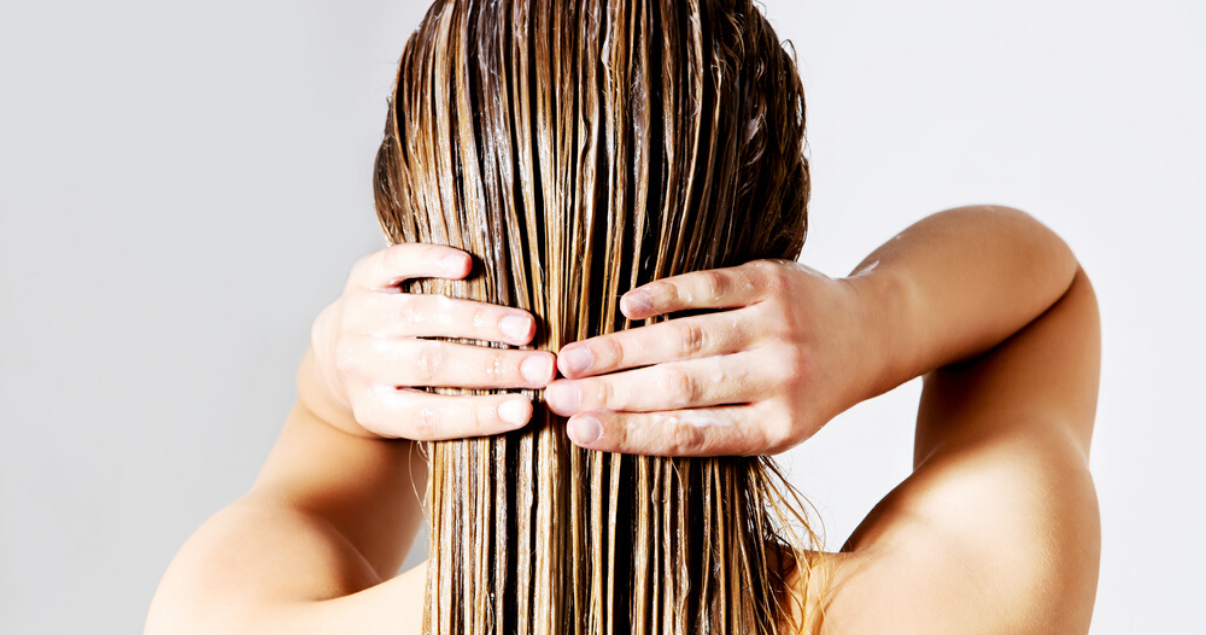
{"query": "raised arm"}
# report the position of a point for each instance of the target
(997, 529)
(796, 347)
(958, 283)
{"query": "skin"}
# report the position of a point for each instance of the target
(996, 530)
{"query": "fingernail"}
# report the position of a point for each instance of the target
(515, 411)
(585, 430)
(516, 328)
(575, 360)
(454, 263)
(563, 397)
(537, 369)
(636, 303)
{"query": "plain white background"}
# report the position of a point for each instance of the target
(183, 186)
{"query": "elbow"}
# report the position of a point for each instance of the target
(1045, 256)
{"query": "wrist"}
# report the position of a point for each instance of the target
(315, 397)
(887, 313)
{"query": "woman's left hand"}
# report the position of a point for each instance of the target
(793, 350)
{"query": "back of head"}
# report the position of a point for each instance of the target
(578, 149)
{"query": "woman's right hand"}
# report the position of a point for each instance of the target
(370, 353)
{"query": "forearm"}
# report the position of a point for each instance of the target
(370, 490)
(958, 283)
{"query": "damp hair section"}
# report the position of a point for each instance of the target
(578, 149)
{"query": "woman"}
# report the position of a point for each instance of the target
(995, 531)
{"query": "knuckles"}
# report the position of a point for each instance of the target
(681, 387)
(366, 410)
(776, 279)
(409, 308)
(498, 366)
(778, 431)
(792, 366)
(608, 352)
(425, 423)
(775, 323)
(715, 284)
(363, 266)
(691, 339)
(663, 294)
(604, 391)
(428, 360)
(394, 258)
(481, 418)
(686, 440)
(347, 359)
(482, 317)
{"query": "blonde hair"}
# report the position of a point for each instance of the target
(578, 149)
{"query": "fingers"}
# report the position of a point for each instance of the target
(684, 338)
(391, 266)
(711, 289)
(415, 315)
(413, 362)
(414, 414)
(712, 381)
(728, 431)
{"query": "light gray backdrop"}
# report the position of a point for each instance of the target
(184, 185)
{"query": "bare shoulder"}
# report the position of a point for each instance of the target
(997, 530)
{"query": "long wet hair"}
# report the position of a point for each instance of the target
(578, 149)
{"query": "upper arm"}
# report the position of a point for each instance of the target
(1046, 374)
(329, 519)
(997, 530)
